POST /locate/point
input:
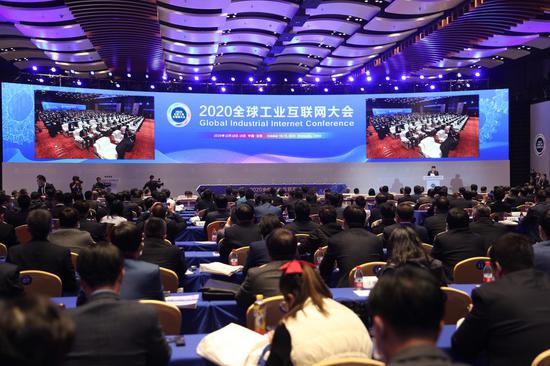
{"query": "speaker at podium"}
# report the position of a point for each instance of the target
(432, 181)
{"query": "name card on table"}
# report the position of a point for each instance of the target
(369, 281)
(184, 301)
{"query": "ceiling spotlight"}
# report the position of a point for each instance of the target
(128, 75)
(196, 78)
(403, 77)
(72, 71)
(467, 85)
(180, 77)
(292, 90)
(117, 85)
(396, 88)
(432, 87)
(317, 79)
(189, 88)
(440, 76)
(78, 82)
(351, 79)
(110, 73)
(152, 86)
(362, 89)
(477, 74)
(232, 78)
(325, 90)
(458, 75)
(387, 78)
(368, 72)
(421, 77)
(223, 90)
(146, 76)
(369, 78)
(164, 77)
(53, 69)
(195, 69)
(300, 80)
(261, 89)
(34, 68)
(214, 78)
(286, 80)
(268, 79)
(92, 72)
(251, 79)
(41, 80)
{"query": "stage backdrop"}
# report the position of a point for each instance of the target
(540, 133)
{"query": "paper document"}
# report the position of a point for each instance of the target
(220, 268)
(184, 302)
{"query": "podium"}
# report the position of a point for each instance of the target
(432, 180)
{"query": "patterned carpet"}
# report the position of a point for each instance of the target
(390, 148)
(62, 147)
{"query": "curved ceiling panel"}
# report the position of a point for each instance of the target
(16, 43)
(455, 62)
(63, 46)
(17, 54)
(346, 51)
(507, 41)
(320, 70)
(478, 52)
(533, 26)
(345, 8)
(197, 4)
(73, 57)
(181, 19)
(244, 48)
(278, 8)
(59, 31)
(190, 48)
(288, 68)
(235, 67)
(323, 39)
(369, 39)
(380, 24)
(252, 37)
(190, 35)
(415, 7)
(36, 15)
(266, 24)
(295, 59)
(345, 62)
(189, 69)
(245, 59)
(336, 25)
(306, 50)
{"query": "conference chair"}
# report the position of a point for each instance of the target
(375, 223)
(214, 227)
(273, 312)
(169, 279)
(242, 254)
(74, 259)
(23, 234)
(202, 213)
(425, 206)
(169, 316)
(350, 361)
(470, 270)
(368, 269)
(105, 149)
(3, 251)
(315, 218)
(543, 359)
(427, 248)
(41, 283)
(340, 222)
(302, 239)
(410, 203)
(167, 242)
(457, 305)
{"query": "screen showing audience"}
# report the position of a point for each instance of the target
(42, 123)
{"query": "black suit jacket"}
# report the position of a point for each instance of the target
(420, 230)
(260, 280)
(237, 236)
(510, 320)
(455, 245)
(163, 254)
(110, 331)
(349, 249)
(45, 256)
(215, 216)
(320, 236)
(435, 172)
(7, 234)
(10, 284)
(531, 219)
(302, 227)
(97, 231)
(489, 230)
(257, 255)
(435, 224)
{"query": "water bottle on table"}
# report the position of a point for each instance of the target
(358, 279)
(259, 315)
(488, 275)
(233, 258)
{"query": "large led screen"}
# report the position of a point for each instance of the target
(76, 125)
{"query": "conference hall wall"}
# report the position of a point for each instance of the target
(364, 140)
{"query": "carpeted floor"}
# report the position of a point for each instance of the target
(390, 148)
(62, 147)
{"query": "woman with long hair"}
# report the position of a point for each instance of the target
(407, 250)
(315, 327)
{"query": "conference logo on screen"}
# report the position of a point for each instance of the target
(540, 144)
(179, 115)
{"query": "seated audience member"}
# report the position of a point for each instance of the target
(65, 200)
(265, 208)
(206, 201)
(258, 253)
(174, 223)
(542, 248)
(111, 331)
(116, 213)
(417, 193)
(405, 218)
(97, 231)
(498, 205)
(438, 222)
(532, 218)
(157, 250)
(407, 308)
(10, 283)
(264, 280)
(484, 226)
(406, 195)
(40, 254)
(458, 242)
(240, 234)
(68, 235)
(220, 214)
(407, 250)
(316, 327)
(302, 224)
(18, 216)
(311, 198)
(329, 227)
(34, 332)
(7, 231)
(375, 211)
(510, 318)
(387, 212)
(141, 279)
(350, 248)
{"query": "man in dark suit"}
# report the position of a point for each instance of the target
(499, 205)
(43, 186)
(438, 222)
(159, 251)
(174, 223)
(404, 217)
(463, 202)
(302, 224)
(510, 318)
(141, 279)
(221, 213)
(458, 242)
(432, 171)
(240, 234)
(258, 254)
(489, 230)
(351, 247)
(406, 195)
(375, 214)
(10, 283)
(542, 248)
(111, 331)
(387, 212)
(264, 280)
(40, 254)
(329, 227)
(96, 230)
(409, 337)
(68, 235)
(531, 220)
(265, 207)
(18, 216)
(7, 231)
(417, 193)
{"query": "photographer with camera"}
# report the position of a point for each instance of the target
(76, 188)
(153, 184)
